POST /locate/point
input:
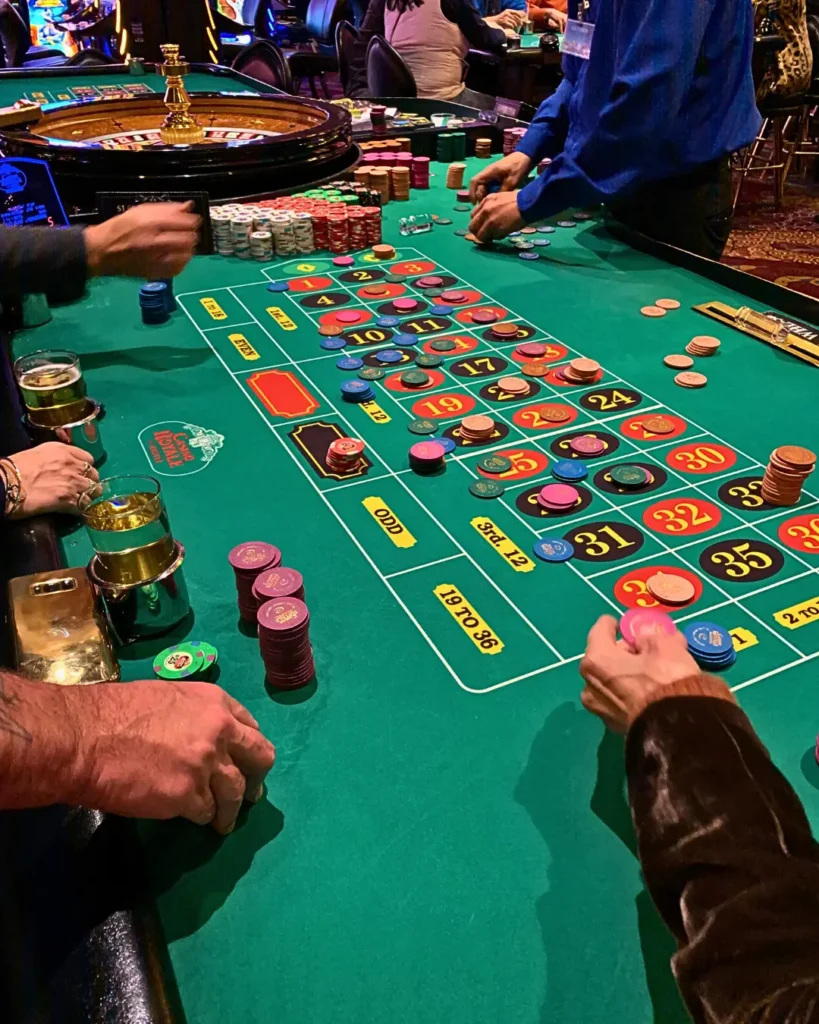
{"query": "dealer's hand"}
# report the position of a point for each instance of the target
(53, 476)
(509, 19)
(154, 240)
(496, 216)
(618, 678)
(509, 172)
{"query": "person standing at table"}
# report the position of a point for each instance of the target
(433, 37)
(656, 96)
(547, 15)
(725, 847)
(509, 14)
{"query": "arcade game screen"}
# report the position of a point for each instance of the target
(44, 19)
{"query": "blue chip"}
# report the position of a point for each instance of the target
(515, 234)
(333, 344)
(546, 229)
(707, 638)
(354, 387)
(566, 469)
(541, 241)
(405, 340)
(153, 287)
(278, 286)
(553, 549)
(389, 355)
(349, 363)
(440, 310)
(528, 255)
(446, 443)
(388, 321)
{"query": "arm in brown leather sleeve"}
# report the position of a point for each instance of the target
(728, 857)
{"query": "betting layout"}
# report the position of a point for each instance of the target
(656, 494)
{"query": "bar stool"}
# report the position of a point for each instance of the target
(778, 117)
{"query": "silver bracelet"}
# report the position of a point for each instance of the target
(15, 494)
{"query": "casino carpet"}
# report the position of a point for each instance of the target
(778, 245)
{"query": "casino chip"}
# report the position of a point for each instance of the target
(333, 344)
(414, 378)
(349, 363)
(528, 256)
(422, 427)
(630, 477)
(209, 652)
(389, 355)
(179, 662)
(405, 340)
(447, 444)
(545, 229)
(669, 588)
(461, 208)
(638, 622)
(440, 310)
(486, 488)
(495, 464)
(395, 278)
(443, 345)
(567, 470)
(567, 224)
(541, 241)
(330, 330)
(388, 321)
(553, 549)
(427, 360)
(443, 220)
(461, 233)
(371, 373)
(710, 645)
(278, 286)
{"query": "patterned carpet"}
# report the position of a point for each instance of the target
(777, 245)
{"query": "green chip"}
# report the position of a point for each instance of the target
(428, 360)
(178, 662)
(434, 293)
(395, 278)
(629, 476)
(486, 488)
(444, 220)
(444, 345)
(414, 378)
(422, 427)
(371, 373)
(495, 463)
(209, 652)
(460, 208)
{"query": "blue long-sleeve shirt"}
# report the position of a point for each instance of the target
(488, 7)
(667, 88)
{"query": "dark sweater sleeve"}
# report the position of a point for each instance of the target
(729, 859)
(48, 260)
(477, 32)
(372, 25)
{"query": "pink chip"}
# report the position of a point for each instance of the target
(585, 444)
(558, 496)
(429, 282)
(427, 451)
(343, 261)
(453, 296)
(532, 349)
(348, 316)
(643, 621)
(407, 305)
(484, 316)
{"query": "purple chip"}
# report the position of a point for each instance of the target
(254, 556)
(278, 582)
(283, 615)
(585, 444)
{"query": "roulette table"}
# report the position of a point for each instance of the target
(99, 131)
(444, 835)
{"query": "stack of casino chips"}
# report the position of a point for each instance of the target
(373, 224)
(400, 177)
(477, 428)
(357, 227)
(261, 245)
(711, 646)
(284, 234)
(380, 183)
(220, 226)
(280, 582)
(193, 658)
(284, 641)
(483, 148)
(426, 457)
(241, 226)
(579, 371)
(344, 454)
(419, 175)
(153, 302)
(787, 470)
(511, 138)
(455, 175)
(248, 561)
(303, 231)
(558, 497)
(357, 391)
(338, 231)
(361, 175)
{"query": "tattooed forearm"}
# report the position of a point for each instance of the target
(11, 702)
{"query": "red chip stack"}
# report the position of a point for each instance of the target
(321, 229)
(373, 224)
(281, 582)
(357, 227)
(344, 454)
(284, 641)
(420, 172)
(248, 561)
(338, 235)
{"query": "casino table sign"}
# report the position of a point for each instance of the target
(445, 833)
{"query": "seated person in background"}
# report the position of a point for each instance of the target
(725, 847)
(14, 38)
(433, 37)
(548, 15)
(154, 240)
(790, 70)
(509, 14)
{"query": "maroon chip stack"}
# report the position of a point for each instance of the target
(338, 236)
(357, 227)
(373, 224)
(279, 582)
(248, 560)
(284, 641)
(420, 172)
(321, 229)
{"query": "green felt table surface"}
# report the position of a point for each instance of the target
(83, 83)
(445, 835)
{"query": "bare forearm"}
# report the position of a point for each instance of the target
(39, 742)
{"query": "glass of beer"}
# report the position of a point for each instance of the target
(52, 386)
(128, 525)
